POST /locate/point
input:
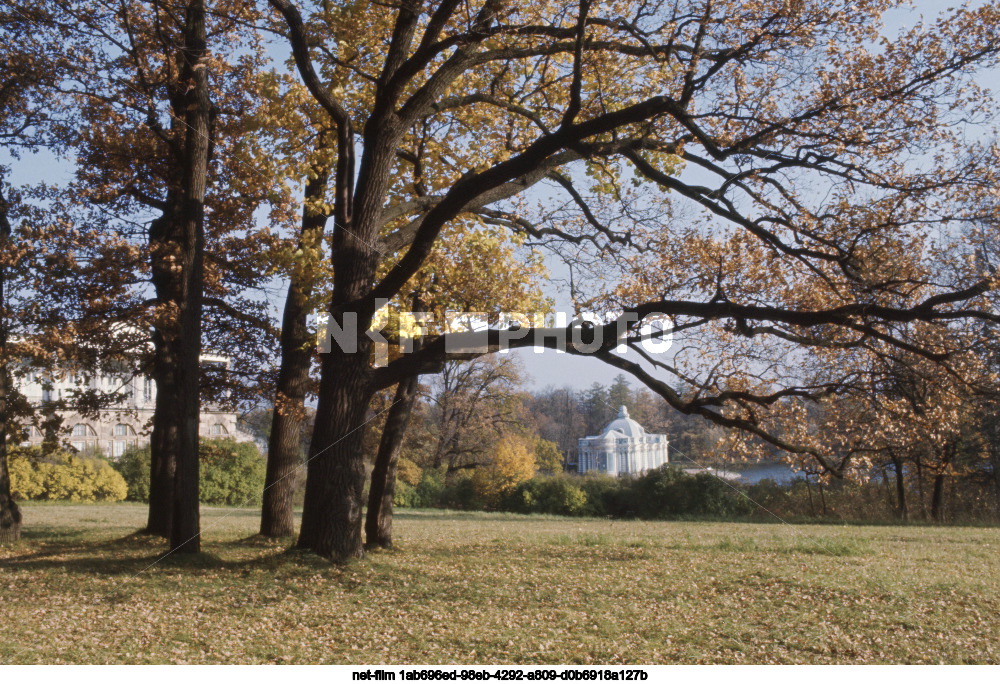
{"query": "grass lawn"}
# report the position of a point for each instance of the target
(490, 588)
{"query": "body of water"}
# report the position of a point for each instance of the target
(779, 472)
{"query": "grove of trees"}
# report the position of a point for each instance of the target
(808, 197)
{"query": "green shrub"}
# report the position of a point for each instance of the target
(428, 492)
(461, 492)
(606, 495)
(62, 476)
(438, 489)
(405, 495)
(663, 493)
(557, 495)
(232, 473)
(667, 492)
(522, 499)
(134, 467)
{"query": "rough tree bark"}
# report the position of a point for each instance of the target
(812, 507)
(297, 346)
(162, 443)
(993, 448)
(901, 509)
(919, 472)
(177, 242)
(10, 514)
(937, 498)
(335, 475)
(331, 515)
(937, 492)
(378, 521)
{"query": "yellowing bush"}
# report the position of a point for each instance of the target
(26, 481)
(408, 471)
(513, 463)
(64, 477)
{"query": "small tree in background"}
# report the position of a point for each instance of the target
(513, 463)
(548, 458)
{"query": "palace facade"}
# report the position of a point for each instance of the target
(124, 425)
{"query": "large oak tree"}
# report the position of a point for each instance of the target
(793, 160)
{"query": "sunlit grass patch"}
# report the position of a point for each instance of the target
(809, 545)
(738, 544)
(500, 588)
(583, 539)
(831, 546)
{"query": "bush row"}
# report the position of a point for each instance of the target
(664, 493)
(62, 476)
(231, 472)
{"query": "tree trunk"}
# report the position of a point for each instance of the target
(177, 242)
(921, 497)
(812, 507)
(378, 523)
(10, 514)
(886, 486)
(185, 535)
(993, 448)
(277, 517)
(335, 476)
(162, 442)
(937, 498)
(331, 516)
(297, 346)
(900, 489)
(51, 425)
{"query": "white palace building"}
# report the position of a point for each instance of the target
(623, 447)
(122, 426)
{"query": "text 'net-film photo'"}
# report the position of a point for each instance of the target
(483, 333)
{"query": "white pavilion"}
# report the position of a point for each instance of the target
(623, 447)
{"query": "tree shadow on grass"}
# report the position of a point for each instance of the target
(138, 552)
(111, 565)
(60, 542)
(260, 541)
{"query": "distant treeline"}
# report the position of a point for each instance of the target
(668, 493)
(664, 493)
